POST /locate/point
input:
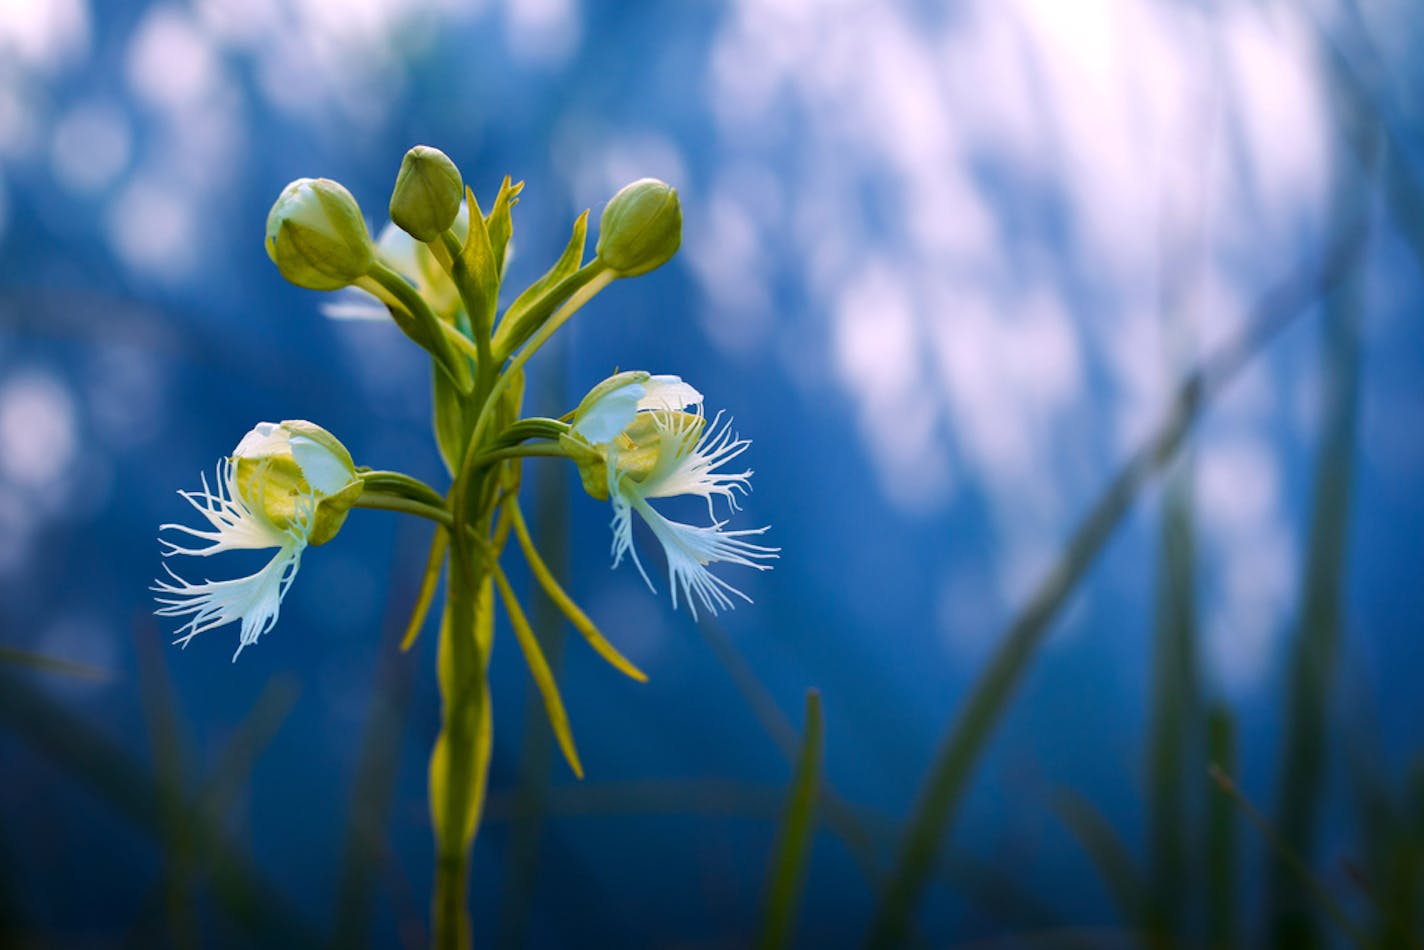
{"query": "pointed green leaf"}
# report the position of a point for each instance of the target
(478, 271)
(452, 428)
(580, 621)
(539, 669)
(498, 222)
(539, 300)
(428, 582)
(1108, 853)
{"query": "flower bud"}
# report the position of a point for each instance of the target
(428, 193)
(284, 468)
(317, 237)
(641, 228)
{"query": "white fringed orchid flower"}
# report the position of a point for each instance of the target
(649, 447)
(285, 486)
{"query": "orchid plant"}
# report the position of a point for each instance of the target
(437, 272)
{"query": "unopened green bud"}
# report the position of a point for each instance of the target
(641, 228)
(317, 237)
(428, 193)
(297, 471)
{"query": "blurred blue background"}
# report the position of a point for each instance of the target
(943, 263)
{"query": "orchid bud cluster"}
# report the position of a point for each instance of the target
(437, 272)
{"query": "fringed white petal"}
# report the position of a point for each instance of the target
(668, 393)
(255, 600)
(622, 526)
(236, 525)
(694, 471)
(690, 548)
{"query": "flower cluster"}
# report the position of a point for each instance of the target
(436, 273)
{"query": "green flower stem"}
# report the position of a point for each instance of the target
(466, 346)
(383, 502)
(534, 450)
(587, 292)
(442, 252)
(429, 325)
(459, 765)
(535, 428)
(399, 483)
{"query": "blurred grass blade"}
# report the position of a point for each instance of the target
(840, 817)
(190, 854)
(793, 849)
(1173, 739)
(170, 768)
(959, 751)
(1221, 834)
(539, 669)
(49, 664)
(1299, 788)
(252, 903)
(374, 783)
(1289, 859)
(571, 610)
(428, 582)
(1108, 853)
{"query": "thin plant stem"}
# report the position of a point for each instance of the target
(384, 502)
(427, 324)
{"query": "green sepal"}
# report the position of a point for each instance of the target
(314, 432)
(331, 512)
(592, 469)
(481, 268)
(499, 224)
(452, 429)
(532, 307)
(616, 381)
